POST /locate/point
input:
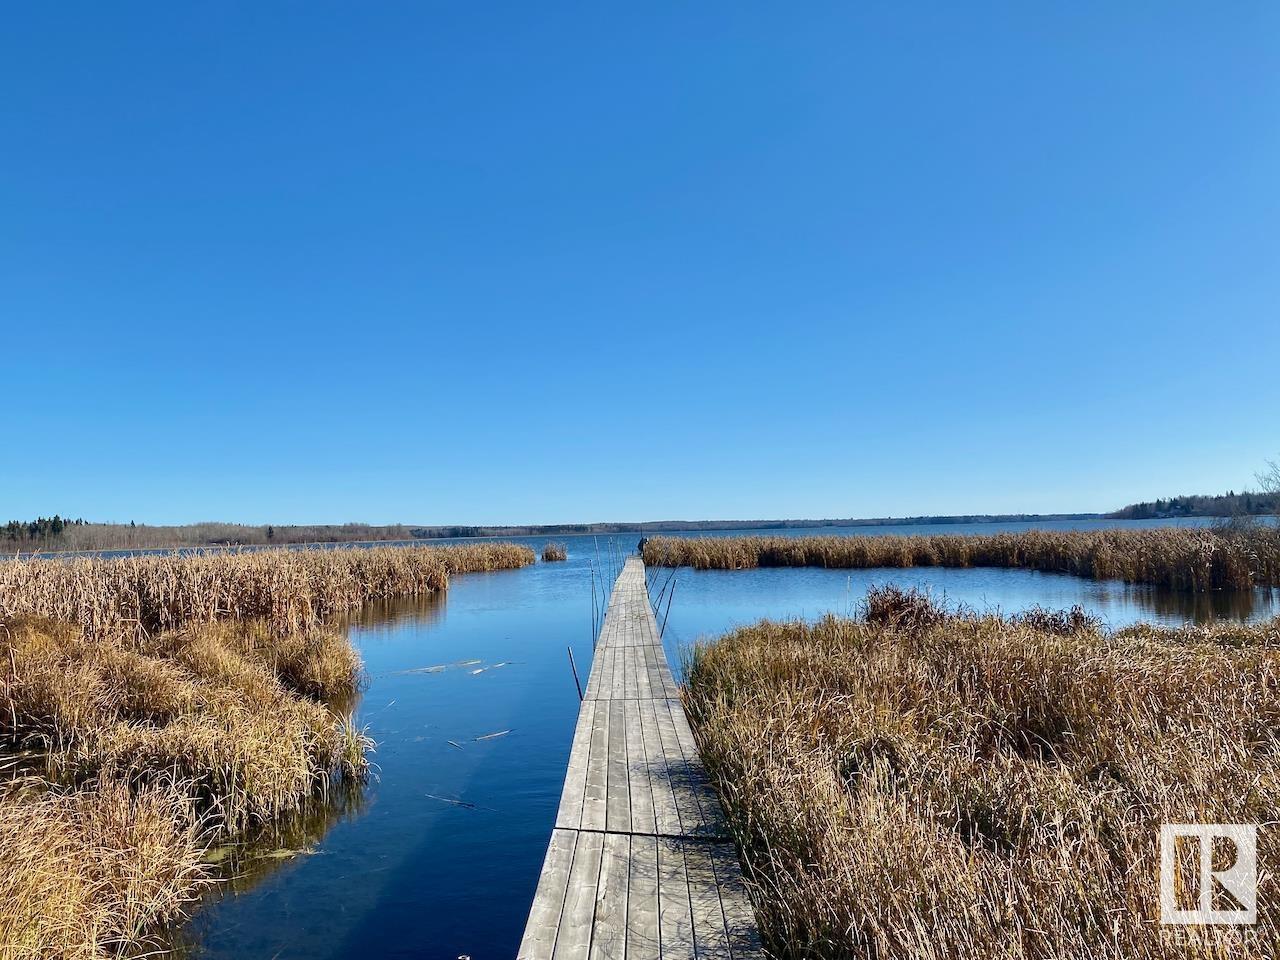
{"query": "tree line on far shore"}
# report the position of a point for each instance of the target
(1230, 504)
(40, 529)
(60, 534)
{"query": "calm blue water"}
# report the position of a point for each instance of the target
(630, 539)
(398, 872)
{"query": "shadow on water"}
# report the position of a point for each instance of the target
(245, 863)
(423, 611)
(1181, 605)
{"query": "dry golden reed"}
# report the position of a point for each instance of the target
(173, 700)
(1182, 558)
(919, 784)
(291, 589)
(204, 706)
(88, 873)
(554, 551)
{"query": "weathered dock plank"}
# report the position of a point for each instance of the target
(675, 917)
(573, 939)
(544, 919)
(640, 865)
(642, 901)
(609, 929)
(575, 778)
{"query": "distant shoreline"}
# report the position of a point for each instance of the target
(684, 526)
(57, 534)
(94, 538)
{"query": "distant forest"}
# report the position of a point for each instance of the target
(56, 533)
(1229, 504)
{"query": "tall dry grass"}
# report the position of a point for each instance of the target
(160, 703)
(1181, 558)
(920, 784)
(90, 873)
(554, 551)
(208, 706)
(291, 589)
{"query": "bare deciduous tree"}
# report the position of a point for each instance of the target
(1269, 480)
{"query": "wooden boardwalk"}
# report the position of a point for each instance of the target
(640, 866)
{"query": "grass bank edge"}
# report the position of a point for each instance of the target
(152, 706)
(1232, 557)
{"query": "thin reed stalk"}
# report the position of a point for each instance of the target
(87, 874)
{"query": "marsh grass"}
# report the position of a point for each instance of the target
(924, 783)
(195, 706)
(173, 702)
(90, 872)
(1181, 558)
(290, 589)
(554, 551)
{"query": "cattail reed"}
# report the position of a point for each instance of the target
(923, 784)
(1181, 558)
(291, 589)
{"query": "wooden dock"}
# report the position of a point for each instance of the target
(640, 865)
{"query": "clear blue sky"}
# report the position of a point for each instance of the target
(541, 262)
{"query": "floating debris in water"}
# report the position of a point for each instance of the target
(467, 663)
(491, 736)
(218, 854)
(454, 743)
(480, 670)
(283, 853)
(456, 803)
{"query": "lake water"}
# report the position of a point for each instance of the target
(398, 870)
